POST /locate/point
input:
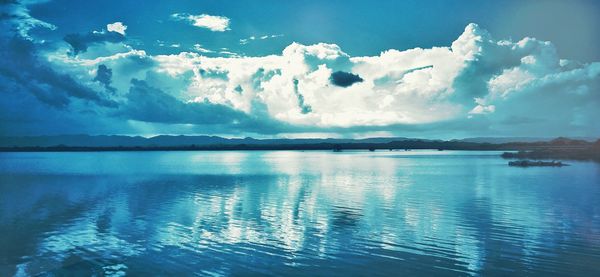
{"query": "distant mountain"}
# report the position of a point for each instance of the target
(518, 139)
(558, 147)
(213, 141)
(72, 140)
(166, 141)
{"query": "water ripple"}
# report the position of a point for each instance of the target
(295, 213)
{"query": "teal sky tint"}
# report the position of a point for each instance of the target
(360, 27)
(433, 69)
(296, 213)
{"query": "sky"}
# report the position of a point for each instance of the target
(429, 69)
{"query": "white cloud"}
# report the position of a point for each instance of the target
(251, 38)
(214, 23)
(117, 27)
(415, 86)
(476, 78)
(198, 47)
(482, 108)
(229, 53)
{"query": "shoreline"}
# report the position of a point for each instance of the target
(333, 148)
(558, 149)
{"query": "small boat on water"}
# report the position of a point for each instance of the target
(528, 163)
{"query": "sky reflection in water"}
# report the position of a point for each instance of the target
(316, 213)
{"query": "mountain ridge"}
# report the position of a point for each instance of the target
(83, 140)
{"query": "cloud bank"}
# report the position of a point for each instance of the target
(477, 85)
(477, 78)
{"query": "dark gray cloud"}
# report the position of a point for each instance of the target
(145, 103)
(28, 73)
(80, 42)
(34, 97)
(148, 104)
(304, 108)
(15, 18)
(344, 79)
(104, 76)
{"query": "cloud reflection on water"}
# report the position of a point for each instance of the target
(292, 212)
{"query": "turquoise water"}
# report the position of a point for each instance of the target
(295, 213)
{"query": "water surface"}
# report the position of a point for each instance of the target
(295, 213)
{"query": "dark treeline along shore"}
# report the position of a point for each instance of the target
(560, 148)
(591, 152)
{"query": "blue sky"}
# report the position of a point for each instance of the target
(440, 69)
(359, 27)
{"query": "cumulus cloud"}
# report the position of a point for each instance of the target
(476, 78)
(482, 108)
(214, 23)
(476, 84)
(276, 80)
(117, 27)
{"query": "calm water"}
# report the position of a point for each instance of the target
(295, 213)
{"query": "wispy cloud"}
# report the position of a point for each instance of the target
(162, 43)
(16, 13)
(227, 52)
(214, 23)
(198, 47)
(252, 38)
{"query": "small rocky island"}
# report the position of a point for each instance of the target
(558, 149)
(528, 163)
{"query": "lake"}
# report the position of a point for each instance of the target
(312, 213)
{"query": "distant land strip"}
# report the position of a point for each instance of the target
(560, 148)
